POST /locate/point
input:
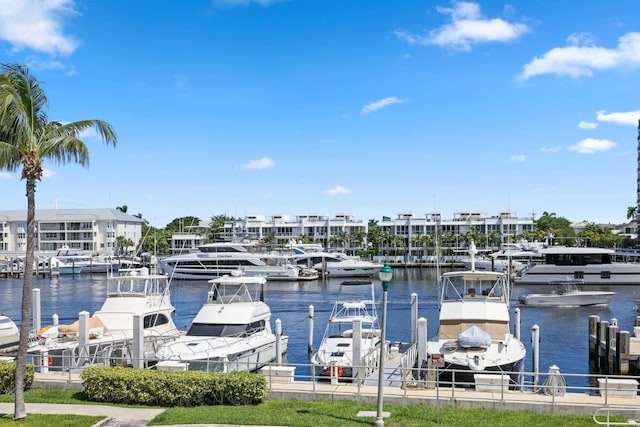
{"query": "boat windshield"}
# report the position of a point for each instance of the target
(225, 330)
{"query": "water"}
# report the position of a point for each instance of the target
(563, 331)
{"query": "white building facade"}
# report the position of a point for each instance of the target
(88, 230)
(320, 228)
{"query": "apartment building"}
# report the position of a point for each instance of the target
(90, 230)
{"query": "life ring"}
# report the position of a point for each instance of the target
(50, 361)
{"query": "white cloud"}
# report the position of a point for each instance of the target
(88, 133)
(628, 118)
(374, 106)
(518, 158)
(591, 145)
(262, 163)
(551, 149)
(468, 27)
(578, 61)
(47, 173)
(5, 176)
(37, 25)
(587, 125)
(337, 191)
(581, 39)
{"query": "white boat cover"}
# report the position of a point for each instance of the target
(474, 337)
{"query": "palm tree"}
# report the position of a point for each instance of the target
(631, 212)
(27, 137)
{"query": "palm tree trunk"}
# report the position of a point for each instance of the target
(20, 411)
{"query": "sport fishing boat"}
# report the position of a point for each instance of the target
(231, 332)
(110, 331)
(474, 334)
(567, 293)
(341, 350)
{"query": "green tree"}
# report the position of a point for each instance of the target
(27, 138)
(122, 208)
(179, 224)
(123, 244)
(216, 226)
(555, 229)
(631, 212)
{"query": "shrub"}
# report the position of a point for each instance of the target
(8, 377)
(165, 388)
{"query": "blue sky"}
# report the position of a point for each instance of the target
(370, 108)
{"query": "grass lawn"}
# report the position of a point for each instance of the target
(303, 414)
(345, 414)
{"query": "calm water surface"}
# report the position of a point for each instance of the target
(563, 331)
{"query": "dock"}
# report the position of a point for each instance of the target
(611, 350)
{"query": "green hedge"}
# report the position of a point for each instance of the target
(8, 377)
(166, 388)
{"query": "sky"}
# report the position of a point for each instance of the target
(370, 108)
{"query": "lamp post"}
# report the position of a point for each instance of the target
(386, 273)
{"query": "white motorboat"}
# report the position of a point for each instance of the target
(9, 335)
(215, 260)
(594, 266)
(110, 331)
(474, 334)
(567, 293)
(505, 261)
(231, 332)
(335, 264)
(338, 355)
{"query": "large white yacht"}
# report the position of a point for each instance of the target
(334, 264)
(593, 266)
(231, 332)
(474, 334)
(110, 331)
(213, 260)
(341, 350)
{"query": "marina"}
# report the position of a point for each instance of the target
(563, 331)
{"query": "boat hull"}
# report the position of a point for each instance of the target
(585, 298)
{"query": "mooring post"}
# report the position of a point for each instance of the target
(421, 344)
(37, 322)
(535, 343)
(310, 339)
(610, 346)
(138, 342)
(414, 317)
(593, 341)
(357, 370)
(278, 341)
(516, 327)
(603, 326)
(623, 347)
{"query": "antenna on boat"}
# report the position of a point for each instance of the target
(472, 254)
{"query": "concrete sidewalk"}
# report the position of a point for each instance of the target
(117, 416)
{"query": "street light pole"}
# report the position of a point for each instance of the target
(386, 273)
